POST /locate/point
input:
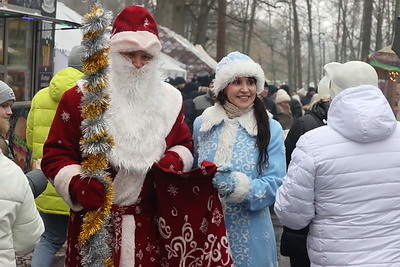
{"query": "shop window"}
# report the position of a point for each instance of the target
(19, 60)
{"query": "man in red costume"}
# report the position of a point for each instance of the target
(146, 120)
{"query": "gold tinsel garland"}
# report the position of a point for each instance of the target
(96, 160)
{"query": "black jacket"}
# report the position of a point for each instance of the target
(293, 242)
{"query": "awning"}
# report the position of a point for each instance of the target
(13, 11)
(385, 59)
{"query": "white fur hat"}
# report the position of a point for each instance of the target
(349, 74)
(236, 65)
(282, 96)
(323, 87)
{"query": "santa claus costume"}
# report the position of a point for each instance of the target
(146, 120)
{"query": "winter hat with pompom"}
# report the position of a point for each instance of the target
(236, 65)
(135, 29)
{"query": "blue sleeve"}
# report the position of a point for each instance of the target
(263, 188)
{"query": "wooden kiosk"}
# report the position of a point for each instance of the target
(387, 65)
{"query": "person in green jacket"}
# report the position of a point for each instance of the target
(52, 207)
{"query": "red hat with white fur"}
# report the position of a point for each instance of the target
(135, 29)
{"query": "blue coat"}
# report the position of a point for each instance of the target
(222, 140)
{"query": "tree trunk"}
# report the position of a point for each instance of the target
(202, 22)
(367, 25)
(221, 33)
(395, 15)
(251, 24)
(292, 81)
(379, 22)
(164, 13)
(178, 18)
(311, 44)
(245, 25)
(297, 47)
(338, 23)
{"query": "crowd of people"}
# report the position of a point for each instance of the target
(197, 166)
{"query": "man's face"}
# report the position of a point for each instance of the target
(5, 114)
(264, 92)
(137, 58)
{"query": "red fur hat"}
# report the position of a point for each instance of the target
(135, 29)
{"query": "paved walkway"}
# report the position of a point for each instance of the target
(59, 261)
(282, 261)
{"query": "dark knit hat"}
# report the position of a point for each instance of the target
(179, 80)
(272, 89)
(6, 93)
(75, 58)
(285, 87)
(190, 87)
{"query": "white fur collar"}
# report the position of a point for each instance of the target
(216, 114)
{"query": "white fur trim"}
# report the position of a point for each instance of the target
(153, 119)
(241, 190)
(239, 68)
(226, 142)
(81, 84)
(134, 41)
(62, 181)
(216, 114)
(185, 155)
(128, 241)
(127, 187)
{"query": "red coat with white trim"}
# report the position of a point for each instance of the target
(62, 159)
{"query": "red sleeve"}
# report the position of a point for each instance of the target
(180, 134)
(62, 145)
(180, 141)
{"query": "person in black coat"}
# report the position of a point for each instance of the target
(189, 92)
(307, 98)
(293, 242)
(295, 106)
(267, 97)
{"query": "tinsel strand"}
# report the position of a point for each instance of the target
(96, 141)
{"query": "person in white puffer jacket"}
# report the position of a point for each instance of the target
(20, 223)
(344, 178)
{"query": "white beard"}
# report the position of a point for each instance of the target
(136, 117)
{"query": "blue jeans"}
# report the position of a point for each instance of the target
(52, 239)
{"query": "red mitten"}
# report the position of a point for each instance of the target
(171, 161)
(89, 193)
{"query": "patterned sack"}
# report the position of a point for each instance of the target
(190, 218)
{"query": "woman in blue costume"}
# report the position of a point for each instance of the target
(248, 148)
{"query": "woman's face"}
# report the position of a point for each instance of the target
(242, 92)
